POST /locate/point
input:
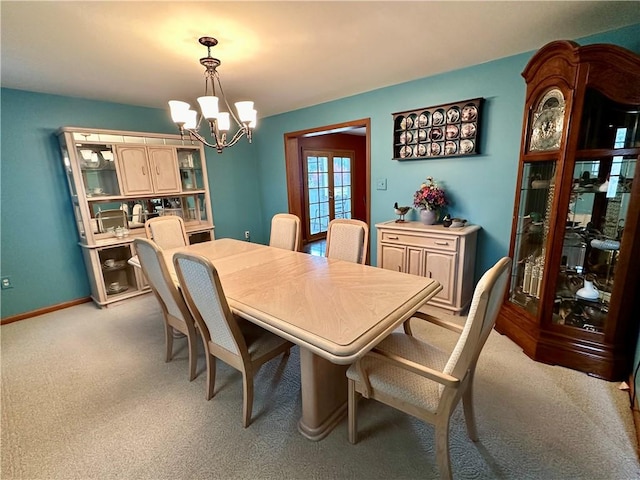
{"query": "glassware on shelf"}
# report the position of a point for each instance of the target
(535, 208)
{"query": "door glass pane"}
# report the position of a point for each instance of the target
(597, 213)
(317, 192)
(312, 164)
(190, 169)
(342, 187)
(534, 213)
(97, 164)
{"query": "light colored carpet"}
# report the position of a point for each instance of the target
(86, 395)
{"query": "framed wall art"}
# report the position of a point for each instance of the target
(450, 130)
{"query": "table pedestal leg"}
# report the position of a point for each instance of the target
(324, 395)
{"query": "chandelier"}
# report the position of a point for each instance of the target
(219, 122)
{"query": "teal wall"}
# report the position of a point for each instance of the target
(248, 185)
(481, 187)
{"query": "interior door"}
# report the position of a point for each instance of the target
(328, 188)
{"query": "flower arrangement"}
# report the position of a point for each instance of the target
(429, 196)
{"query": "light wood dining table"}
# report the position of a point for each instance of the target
(335, 311)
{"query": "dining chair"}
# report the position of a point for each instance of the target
(167, 231)
(425, 381)
(348, 239)
(237, 342)
(175, 312)
(285, 231)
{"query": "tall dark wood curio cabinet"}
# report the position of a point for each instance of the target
(573, 298)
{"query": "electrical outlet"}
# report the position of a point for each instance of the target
(6, 283)
(247, 234)
(381, 184)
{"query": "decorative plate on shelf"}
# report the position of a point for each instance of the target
(436, 134)
(469, 113)
(450, 148)
(409, 122)
(435, 149)
(468, 130)
(422, 150)
(422, 135)
(423, 120)
(453, 115)
(466, 146)
(452, 131)
(406, 152)
(438, 117)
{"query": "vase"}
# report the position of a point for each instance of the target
(428, 217)
(588, 292)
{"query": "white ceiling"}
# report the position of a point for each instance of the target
(282, 55)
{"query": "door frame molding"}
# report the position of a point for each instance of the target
(295, 168)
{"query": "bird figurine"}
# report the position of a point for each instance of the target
(401, 211)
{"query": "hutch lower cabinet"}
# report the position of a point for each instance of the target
(118, 180)
(573, 294)
(445, 254)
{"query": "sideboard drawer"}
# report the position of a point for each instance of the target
(436, 242)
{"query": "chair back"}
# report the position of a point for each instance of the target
(348, 239)
(167, 232)
(205, 298)
(487, 298)
(137, 215)
(285, 232)
(155, 270)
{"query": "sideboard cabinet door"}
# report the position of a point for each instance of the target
(163, 164)
(392, 257)
(134, 170)
(442, 267)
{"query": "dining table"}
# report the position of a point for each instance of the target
(334, 310)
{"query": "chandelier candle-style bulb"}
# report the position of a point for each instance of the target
(219, 122)
(244, 111)
(224, 123)
(179, 111)
(192, 120)
(209, 107)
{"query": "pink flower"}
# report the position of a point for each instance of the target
(429, 196)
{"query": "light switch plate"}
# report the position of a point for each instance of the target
(381, 184)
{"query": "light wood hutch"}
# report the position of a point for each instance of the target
(444, 254)
(118, 180)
